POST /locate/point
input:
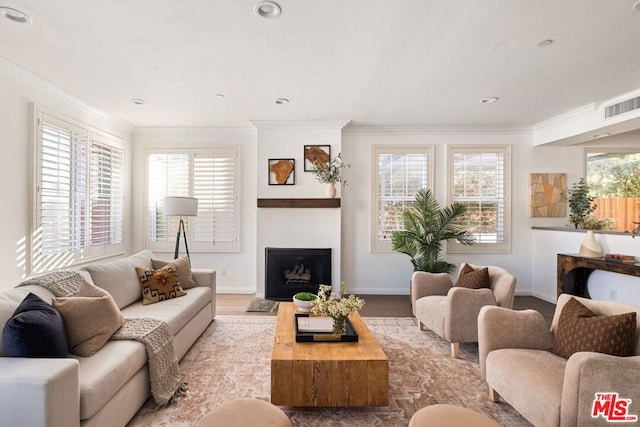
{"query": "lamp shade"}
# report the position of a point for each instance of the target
(180, 206)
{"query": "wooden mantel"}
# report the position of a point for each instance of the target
(574, 271)
(299, 203)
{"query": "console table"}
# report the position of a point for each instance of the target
(574, 271)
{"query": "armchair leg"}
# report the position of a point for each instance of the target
(493, 395)
(455, 349)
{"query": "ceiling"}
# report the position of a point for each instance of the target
(374, 62)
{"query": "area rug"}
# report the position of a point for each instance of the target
(262, 305)
(232, 360)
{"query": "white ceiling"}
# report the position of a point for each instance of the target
(375, 62)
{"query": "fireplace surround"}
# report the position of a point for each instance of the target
(292, 270)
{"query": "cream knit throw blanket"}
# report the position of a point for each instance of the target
(164, 372)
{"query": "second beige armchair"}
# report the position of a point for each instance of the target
(451, 311)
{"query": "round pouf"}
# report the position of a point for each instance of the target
(450, 416)
(245, 413)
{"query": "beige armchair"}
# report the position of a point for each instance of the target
(549, 390)
(452, 312)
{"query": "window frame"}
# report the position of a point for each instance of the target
(195, 246)
(89, 136)
(504, 246)
(379, 246)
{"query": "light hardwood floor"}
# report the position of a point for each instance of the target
(375, 305)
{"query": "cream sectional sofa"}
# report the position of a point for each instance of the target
(108, 388)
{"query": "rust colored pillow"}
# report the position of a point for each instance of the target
(183, 270)
(579, 329)
(473, 279)
(159, 285)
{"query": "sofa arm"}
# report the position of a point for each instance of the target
(500, 327)
(207, 277)
(424, 284)
(39, 392)
(461, 314)
(589, 373)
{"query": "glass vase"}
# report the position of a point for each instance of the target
(339, 325)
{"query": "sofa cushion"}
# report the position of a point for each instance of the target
(183, 270)
(106, 372)
(175, 312)
(36, 329)
(90, 318)
(537, 397)
(119, 278)
(159, 285)
(473, 279)
(579, 329)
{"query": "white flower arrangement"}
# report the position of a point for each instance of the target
(331, 171)
(326, 304)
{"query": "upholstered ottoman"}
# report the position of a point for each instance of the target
(450, 416)
(245, 413)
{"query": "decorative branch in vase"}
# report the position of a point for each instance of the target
(330, 173)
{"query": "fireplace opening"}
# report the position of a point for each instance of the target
(292, 270)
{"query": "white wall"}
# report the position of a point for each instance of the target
(235, 271)
(16, 129)
(296, 227)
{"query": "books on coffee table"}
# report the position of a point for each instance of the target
(315, 324)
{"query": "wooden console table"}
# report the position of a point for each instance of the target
(574, 271)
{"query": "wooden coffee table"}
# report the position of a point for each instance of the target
(327, 374)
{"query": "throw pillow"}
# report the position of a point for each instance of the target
(90, 318)
(159, 285)
(473, 279)
(183, 269)
(36, 329)
(579, 329)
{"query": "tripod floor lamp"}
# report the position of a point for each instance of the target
(181, 206)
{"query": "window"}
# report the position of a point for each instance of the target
(479, 178)
(210, 175)
(79, 194)
(613, 177)
(398, 174)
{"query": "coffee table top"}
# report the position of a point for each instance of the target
(285, 346)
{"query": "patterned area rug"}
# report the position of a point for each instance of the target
(232, 360)
(262, 305)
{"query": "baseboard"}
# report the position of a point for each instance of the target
(235, 290)
(553, 299)
(379, 291)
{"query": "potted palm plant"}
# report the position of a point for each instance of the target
(426, 226)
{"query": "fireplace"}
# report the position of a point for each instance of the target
(292, 270)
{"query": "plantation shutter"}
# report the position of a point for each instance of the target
(400, 174)
(79, 195)
(168, 175)
(479, 180)
(107, 192)
(215, 187)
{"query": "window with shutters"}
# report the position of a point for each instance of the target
(79, 194)
(209, 175)
(398, 174)
(479, 178)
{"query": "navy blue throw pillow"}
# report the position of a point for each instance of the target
(36, 329)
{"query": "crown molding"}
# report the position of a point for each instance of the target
(27, 78)
(300, 124)
(438, 130)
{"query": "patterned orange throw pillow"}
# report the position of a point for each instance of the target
(159, 285)
(579, 329)
(473, 279)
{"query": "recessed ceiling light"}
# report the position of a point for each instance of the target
(489, 100)
(281, 101)
(545, 43)
(15, 15)
(636, 5)
(138, 101)
(601, 135)
(220, 95)
(267, 9)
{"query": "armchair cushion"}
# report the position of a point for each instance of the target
(580, 329)
(473, 279)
